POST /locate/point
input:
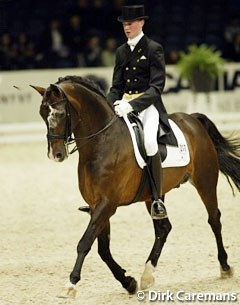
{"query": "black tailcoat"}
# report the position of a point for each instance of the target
(142, 70)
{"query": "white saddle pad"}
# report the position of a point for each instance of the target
(176, 155)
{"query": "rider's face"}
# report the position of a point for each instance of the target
(133, 28)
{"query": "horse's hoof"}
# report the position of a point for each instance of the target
(67, 293)
(147, 281)
(130, 285)
(226, 273)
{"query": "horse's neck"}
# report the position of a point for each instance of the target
(93, 113)
(97, 142)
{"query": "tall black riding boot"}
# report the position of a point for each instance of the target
(158, 210)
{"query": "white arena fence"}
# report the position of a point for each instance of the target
(19, 108)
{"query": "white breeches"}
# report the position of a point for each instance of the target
(150, 120)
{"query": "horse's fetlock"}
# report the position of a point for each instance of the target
(74, 278)
(130, 284)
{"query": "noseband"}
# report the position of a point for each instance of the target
(67, 136)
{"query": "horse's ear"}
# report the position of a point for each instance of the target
(39, 89)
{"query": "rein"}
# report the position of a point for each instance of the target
(89, 138)
(67, 136)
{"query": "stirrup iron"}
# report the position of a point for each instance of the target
(158, 210)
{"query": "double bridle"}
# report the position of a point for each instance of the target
(67, 136)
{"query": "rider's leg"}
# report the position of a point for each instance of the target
(158, 210)
(150, 120)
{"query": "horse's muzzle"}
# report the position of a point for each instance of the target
(58, 155)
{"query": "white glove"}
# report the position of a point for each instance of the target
(117, 102)
(122, 107)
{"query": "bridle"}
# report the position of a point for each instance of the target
(67, 135)
(67, 129)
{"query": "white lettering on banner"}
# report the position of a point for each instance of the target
(23, 105)
(229, 81)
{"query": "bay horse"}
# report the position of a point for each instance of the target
(109, 175)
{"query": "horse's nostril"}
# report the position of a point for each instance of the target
(59, 155)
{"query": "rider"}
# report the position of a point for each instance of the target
(138, 81)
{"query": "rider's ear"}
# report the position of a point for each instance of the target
(39, 89)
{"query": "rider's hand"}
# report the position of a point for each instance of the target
(117, 102)
(122, 107)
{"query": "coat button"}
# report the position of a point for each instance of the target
(127, 69)
(128, 80)
(136, 92)
(135, 80)
(134, 68)
(130, 92)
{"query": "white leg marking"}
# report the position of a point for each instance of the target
(70, 285)
(69, 291)
(147, 279)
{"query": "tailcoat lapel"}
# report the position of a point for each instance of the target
(139, 48)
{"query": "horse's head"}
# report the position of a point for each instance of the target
(55, 112)
(73, 105)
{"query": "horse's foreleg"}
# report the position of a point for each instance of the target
(128, 282)
(99, 217)
(162, 228)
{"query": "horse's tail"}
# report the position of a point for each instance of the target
(228, 150)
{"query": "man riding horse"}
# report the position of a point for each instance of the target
(138, 81)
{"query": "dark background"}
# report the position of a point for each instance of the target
(175, 24)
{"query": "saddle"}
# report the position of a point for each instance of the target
(138, 130)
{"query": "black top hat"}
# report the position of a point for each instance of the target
(132, 12)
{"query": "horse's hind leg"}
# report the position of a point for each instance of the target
(215, 223)
(207, 192)
(128, 282)
(162, 228)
